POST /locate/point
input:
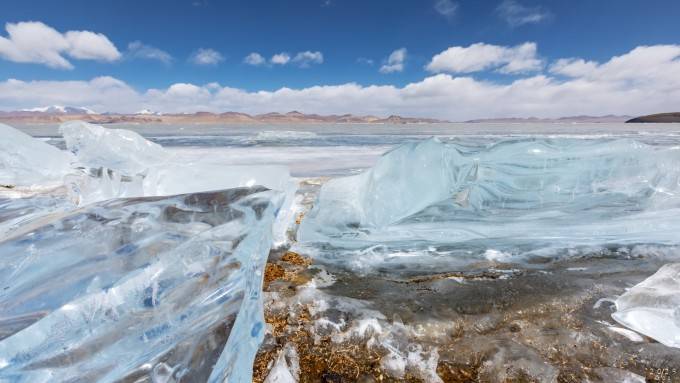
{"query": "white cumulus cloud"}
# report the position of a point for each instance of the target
(36, 42)
(641, 81)
(446, 8)
(206, 56)
(306, 58)
(573, 67)
(480, 56)
(516, 14)
(395, 61)
(139, 50)
(302, 59)
(643, 66)
(254, 59)
(100, 93)
(280, 58)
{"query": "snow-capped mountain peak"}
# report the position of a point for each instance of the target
(147, 112)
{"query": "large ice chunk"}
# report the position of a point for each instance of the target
(142, 289)
(120, 150)
(517, 197)
(652, 307)
(405, 181)
(26, 161)
(124, 164)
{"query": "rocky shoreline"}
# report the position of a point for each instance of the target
(497, 323)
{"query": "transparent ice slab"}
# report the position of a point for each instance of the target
(140, 289)
(429, 204)
(122, 163)
(652, 307)
(121, 150)
(26, 161)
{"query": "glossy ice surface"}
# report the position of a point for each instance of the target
(132, 287)
(434, 205)
(652, 307)
(111, 270)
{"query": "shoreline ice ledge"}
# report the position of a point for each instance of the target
(433, 207)
(429, 207)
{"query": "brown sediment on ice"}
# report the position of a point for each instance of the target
(538, 326)
(462, 275)
(289, 268)
(320, 360)
(294, 258)
(493, 323)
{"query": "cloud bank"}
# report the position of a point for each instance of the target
(644, 80)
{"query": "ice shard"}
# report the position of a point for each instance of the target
(139, 289)
(124, 164)
(427, 204)
(652, 307)
(121, 150)
(26, 161)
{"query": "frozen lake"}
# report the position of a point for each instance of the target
(328, 149)
(505, 252)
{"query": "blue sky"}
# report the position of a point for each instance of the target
(354, 39)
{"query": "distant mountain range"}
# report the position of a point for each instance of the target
(58, 114)
(570, 119)
(660, 117)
